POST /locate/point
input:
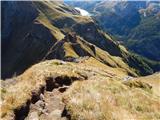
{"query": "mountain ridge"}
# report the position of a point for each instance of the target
(68, 68)
(64, 83)
(133, 23)
(51, 20)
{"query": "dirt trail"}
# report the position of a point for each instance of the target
(45, 100)
(49, 107)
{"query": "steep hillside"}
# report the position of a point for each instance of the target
(60, 65)
(114, 16)
(115, 100)
(24, 40)
(40, 27)
(86, 89)
(135, 23)
(144, 38)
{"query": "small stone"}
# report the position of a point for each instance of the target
(40, 104)
(55, 114)
(33, 116)
(41, 97)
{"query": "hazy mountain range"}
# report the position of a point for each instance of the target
(136, 24)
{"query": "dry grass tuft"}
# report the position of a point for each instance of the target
(105, 98)
(101, 96)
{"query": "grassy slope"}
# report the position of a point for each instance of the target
(55, 20)
(103, 98)
(139, 33)
(102, 95)
(34, 78)
(74, 47)
(106, 96)
(144, 38)
(81, 24)
(30, 35)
